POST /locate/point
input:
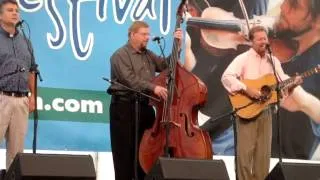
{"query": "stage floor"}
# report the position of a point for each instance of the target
(104, 165)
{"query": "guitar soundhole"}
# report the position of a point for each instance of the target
(265, 93)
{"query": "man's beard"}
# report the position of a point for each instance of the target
(289, 32)
(262, 52)
(143, 47)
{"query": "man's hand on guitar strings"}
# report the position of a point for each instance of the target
(253, 93)
(296, 82)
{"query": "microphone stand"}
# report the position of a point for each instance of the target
(160, 46)
(37, 73)
(232, 113)
(35, 113)
(138, 95)
(277, 105)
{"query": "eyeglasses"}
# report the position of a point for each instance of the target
(143, 34)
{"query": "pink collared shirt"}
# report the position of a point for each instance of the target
(249, 65)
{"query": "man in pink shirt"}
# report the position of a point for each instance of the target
(253, 147)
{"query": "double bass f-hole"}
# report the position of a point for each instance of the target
(186, 125)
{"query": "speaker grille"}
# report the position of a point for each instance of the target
(187, 169)
(51, 166)
(296, 171)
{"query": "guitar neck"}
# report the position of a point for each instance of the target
(305, 74)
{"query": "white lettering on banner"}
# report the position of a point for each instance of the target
(71, 105)
(57, 104)
(138, 9)
(91, 106)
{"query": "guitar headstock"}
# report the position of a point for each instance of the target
(311, 71)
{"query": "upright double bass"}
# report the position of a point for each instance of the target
(175, 132)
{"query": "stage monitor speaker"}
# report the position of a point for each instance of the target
(187, 169)
(51, 167)
(296, 171)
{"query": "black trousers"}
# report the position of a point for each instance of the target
(122, 131)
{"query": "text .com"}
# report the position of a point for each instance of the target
(71, 105)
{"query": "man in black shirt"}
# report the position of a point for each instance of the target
(134, 66)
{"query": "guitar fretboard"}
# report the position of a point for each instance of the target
(305, 74)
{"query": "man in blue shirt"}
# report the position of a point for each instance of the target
(17, 80)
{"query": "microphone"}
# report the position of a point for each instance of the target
(268, 47)
(109, 80)
(19, 23)
(157, 38)
(22, 69)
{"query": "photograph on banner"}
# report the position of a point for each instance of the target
(217, 32)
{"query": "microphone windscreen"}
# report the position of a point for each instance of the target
(156, 38)
(19, 23)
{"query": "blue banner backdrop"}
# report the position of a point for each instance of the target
(73, 41)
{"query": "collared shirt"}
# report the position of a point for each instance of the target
(15, 62)
(249, 65)
(134, 69)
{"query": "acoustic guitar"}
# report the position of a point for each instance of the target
(248, 108)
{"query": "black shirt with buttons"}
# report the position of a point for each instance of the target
(134, 69)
